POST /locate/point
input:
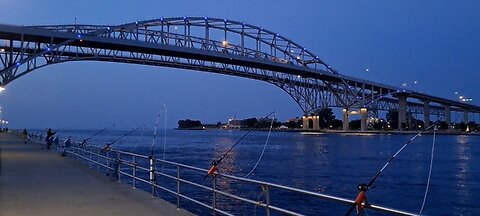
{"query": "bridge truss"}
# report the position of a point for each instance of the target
(196, 43)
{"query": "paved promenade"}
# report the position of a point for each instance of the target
(35, 181)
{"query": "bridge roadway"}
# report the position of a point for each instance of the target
(35, 181)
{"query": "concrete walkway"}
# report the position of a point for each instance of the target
(35, 181)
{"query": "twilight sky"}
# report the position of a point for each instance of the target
(433, 42)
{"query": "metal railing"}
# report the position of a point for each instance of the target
(142, 169)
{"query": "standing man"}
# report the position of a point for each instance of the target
(49, 138)
(25, 136)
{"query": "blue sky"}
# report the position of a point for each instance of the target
(436, 43)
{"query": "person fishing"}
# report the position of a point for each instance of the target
(49, 137)
(25, 136)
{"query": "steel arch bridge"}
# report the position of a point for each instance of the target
(204, 44)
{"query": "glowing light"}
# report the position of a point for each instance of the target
(136, 22)
(2, 50)
(17, 64)
(224, 43)
(79, 36)
(1, 90)
(108, 28)
(48, 49)
(206, 18)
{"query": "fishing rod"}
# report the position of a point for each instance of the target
(107, 146)
(84, 142)
(156, 127)
(363, 188)
(215, 163)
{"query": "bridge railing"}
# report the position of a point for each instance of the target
(137, 169)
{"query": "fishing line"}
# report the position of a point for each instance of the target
(264, 147)
(84, 142)
(429, 172)
(107, 146)
(215, 163)
(164, 137)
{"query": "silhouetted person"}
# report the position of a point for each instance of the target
(25, 136)
(49, 138)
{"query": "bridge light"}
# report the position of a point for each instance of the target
(2, 50)
(206, 18)
(108, 28)
(2, 88)
(17, 64)
(48, 49)
(224, 43)
(136, 22)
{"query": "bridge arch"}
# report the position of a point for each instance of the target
(204, 44)
(197, 43)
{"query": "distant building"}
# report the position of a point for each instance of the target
(233, 124)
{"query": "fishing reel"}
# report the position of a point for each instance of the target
(362, 187)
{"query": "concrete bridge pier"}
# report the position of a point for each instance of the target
(363, 119)
(465, 116)
(402, 111)
(426, 113)
(345, 119)
(311, 122)
(448, 115)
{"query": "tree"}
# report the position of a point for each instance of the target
(250, 122)
(336, 124)
(355, 124)
(325, 117)
(184, 124)
(392, 119)
(297, 123)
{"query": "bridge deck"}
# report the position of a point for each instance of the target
(35, 181)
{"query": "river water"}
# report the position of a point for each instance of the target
(332, 164)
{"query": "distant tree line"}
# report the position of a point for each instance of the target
(327, 120)
(187, 123)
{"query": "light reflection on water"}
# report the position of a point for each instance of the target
(334, 164)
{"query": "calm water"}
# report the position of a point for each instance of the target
(328, 163)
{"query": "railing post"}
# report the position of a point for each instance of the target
(98, 159)
(178, 187)
(214, 205)
(134, 171)
(107, 154)
(152, 175)
(267, 198)
(118, 167)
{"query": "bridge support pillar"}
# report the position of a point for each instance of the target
(345, 119)
(363, 118)
(311, 123)
(426, 113)
(465, 116)
(402, 111)
(448, 115)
